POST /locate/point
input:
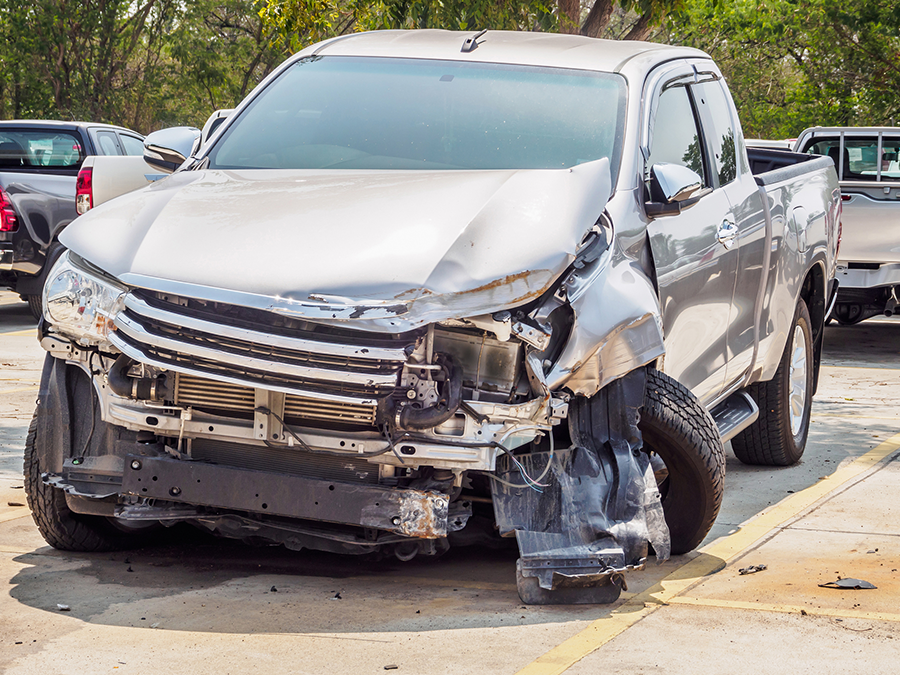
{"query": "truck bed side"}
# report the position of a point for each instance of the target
(801, 200)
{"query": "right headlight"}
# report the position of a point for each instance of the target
(79, 303)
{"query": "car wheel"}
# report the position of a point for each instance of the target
(59, 526)
(778, 437)
(681, 432)
(35, 305)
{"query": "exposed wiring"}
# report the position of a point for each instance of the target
(390, 441)
(533, 483)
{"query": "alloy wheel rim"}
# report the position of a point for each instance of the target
(798, 380)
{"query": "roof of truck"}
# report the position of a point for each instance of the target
(43, 124)
(533, 49)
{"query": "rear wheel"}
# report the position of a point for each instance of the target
(677, 428)
(778, 437)
(60, 526)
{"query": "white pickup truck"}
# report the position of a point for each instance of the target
(532, 291)
(868, 164)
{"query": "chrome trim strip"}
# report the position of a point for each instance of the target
(177, 320)
(139, 356)
(136, 331)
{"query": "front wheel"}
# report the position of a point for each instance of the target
(60, 527)
(677, 428)
(778, 437)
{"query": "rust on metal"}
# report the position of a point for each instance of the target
(424, 514)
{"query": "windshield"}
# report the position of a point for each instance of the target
(382, 113)
(860, 159)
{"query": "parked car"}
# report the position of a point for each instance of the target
(39, 162)
(868, 164)
(532, 291)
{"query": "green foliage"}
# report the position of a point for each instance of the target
(791, 64)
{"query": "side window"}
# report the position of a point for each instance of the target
(109, 144)
(715, 112)
(674, 137)
(860, 159)
(132, 145)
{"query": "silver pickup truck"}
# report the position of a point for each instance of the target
(426, 288)
(868, 164)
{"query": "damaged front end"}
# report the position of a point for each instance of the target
(361, 427)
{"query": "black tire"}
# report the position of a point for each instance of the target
(848, 315)
(58, 525)
(35, 305)
(675, 426)
(770, 441)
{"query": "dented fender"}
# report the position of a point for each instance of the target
(616, 328)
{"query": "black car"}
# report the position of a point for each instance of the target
(39, 163)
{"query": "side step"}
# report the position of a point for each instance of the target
(734, 414)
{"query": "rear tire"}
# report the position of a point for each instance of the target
(59, 526)
(675, 426)
(778, 437)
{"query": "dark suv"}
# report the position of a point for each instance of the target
(39, 163)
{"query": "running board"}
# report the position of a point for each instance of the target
(734, 414)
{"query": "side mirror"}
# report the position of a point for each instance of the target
(673, 188)
(167, 149)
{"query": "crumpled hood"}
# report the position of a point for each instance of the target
(390, 247)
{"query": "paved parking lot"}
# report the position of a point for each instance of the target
(193, 604)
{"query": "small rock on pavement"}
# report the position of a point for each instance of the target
(391, 667)
(273, 590)
(62, 608)
(14, 504)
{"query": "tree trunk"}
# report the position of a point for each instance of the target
(641, 28)
(598, 18)
(569, 15)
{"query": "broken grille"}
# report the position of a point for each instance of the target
(307, 363)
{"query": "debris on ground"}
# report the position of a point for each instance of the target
(62, 608)
(848, 583)
(753, 569)
(391, 667)
(337, 596)
(14, 504)
(273, 590)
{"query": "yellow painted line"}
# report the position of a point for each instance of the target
(20, 512)
(713, 557)
(785, 609)
(19, 390)
(30, 331)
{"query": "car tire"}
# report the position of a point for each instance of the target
(675, 426)
(35, 305)
(59, 526)
(778, 437)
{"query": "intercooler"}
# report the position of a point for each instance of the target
(234, 400)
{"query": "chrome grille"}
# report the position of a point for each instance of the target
(224, 398)
(311, 365)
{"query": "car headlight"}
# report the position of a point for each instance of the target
(81, 304)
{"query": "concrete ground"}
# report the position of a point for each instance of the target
(194, 604)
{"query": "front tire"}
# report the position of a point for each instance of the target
(675, 426)
(778, 437)
(60, 526)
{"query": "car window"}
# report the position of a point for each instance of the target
(860, 159)
(132, 145)
(716, 115)
(37, 148)
(109, 144)
(674, 137)
(394, 113)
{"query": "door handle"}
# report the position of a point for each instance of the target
(727, 233)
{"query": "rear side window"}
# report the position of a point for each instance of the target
(132, 145)
(860, 160)
(37, 148)
(109, 143)
(674, 137)
(716, 115)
